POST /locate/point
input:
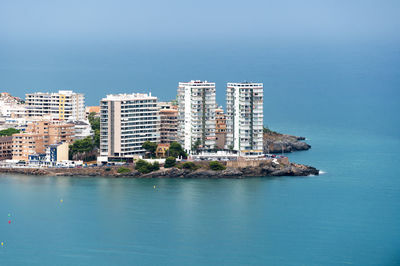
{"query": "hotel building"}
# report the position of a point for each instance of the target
(244, 123)
(126, 122)
(196, 114)
(64, 105)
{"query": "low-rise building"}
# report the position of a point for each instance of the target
(38, 136)
(82, 129)
(55, 153)
(162, 150)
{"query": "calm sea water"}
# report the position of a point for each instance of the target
(345, 100)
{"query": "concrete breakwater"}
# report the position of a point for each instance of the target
(262, 168)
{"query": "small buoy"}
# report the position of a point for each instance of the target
(2, 243)
(61, 200)
(9, 222)
(154, 186)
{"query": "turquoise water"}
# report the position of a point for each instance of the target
(344, 99)
(349, 215)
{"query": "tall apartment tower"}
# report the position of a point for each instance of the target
(63, 105)
(244, 123)
(126, 122)
(196, 114)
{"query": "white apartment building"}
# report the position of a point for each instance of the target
(244, 121)
(83, 129)
(126, 122)
(196, 114)
(63, 105)
(11, 107)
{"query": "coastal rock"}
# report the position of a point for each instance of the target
(203, 174)
(287, 171)
(276, 143)
(231, 172)
(263, 169)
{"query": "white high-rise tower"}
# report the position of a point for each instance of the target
(244, 122)
(196, 114)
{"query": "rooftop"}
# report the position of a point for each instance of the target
(90, 109)
(125, 96)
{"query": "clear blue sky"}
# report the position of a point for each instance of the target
(74, 20)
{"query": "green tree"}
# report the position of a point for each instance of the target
(150, 147)
(175, 150)
(95, 124)
(216, 166)
(170, 162)
(9, 132)
(96, 138)
(94, 121)
(196, 145)
(82, 146)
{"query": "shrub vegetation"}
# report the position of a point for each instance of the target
(170, 162)
(216, 166)
(123, 170)
(145, 167)
(190, 166)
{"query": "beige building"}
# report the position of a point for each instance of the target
(220, 128)
(40, 135)
(126, 122)
(5, 148)
(57, 152)
(168, 122)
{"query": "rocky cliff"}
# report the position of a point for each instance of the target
(276, 143)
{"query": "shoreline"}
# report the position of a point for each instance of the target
(267, 168)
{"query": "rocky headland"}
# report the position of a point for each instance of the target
(275, 142)
(264, 168)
